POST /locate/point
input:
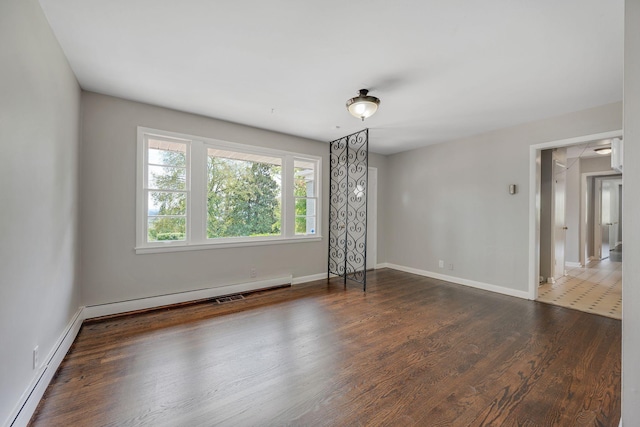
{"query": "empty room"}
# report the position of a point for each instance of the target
(319, 213)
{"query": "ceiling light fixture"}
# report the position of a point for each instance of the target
(603, 150)
(363, 105)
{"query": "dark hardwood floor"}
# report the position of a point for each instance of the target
(411, 351)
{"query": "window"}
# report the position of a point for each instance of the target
(196, 192)
(166, 189)
(304, 189)
(244, 196)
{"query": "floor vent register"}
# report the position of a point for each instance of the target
(230, 298)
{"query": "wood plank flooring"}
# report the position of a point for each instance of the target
(412, 351)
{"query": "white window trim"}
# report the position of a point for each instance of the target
(196, 206)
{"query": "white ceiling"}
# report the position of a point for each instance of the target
(443, 69)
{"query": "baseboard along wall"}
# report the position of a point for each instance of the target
(31, 397)
(109, 309)
(29, 400)
(461, 281)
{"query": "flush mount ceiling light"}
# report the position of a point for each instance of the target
(363, 105)
(603, 150)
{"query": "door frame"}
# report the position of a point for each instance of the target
(598, 251)
(372, 219)
(534, 198)
(557, 233)
(584, 260)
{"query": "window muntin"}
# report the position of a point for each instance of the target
(197, 192)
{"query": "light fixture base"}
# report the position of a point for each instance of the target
(363, 105)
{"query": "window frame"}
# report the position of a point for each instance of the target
(315, 197)
(196, 190)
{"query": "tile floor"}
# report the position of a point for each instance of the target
(596, 288)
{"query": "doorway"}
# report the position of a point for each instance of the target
(579, 196)
(583, 144)
(591, 200)
(607, 218)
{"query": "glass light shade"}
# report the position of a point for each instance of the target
(363, 106)
(603, 150)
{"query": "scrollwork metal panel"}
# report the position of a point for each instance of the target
(348, 207)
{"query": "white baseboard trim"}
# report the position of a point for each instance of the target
(320, 276)
(461, 281)
(572, 264)
(311, 278)
(29, 400)
(100, 310)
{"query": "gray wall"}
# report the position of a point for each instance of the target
(39, 116)
(450, 201)
(631, 231)
(111, 271)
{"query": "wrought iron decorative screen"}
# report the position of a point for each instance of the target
(349, 158)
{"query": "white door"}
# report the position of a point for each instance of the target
(559, 217)
(372, 219)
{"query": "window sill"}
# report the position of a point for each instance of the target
(220, 245)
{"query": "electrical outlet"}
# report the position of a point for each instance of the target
(441, 264)
(36, 359)
(253, 273)
(450, 266)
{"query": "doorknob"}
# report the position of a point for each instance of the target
(565, 228)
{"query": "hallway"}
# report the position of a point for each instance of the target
(596, 288)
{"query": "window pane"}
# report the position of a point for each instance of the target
(167, 203)
(305, 225)
(304, 178)
(166, 228)
(243, 195)
(305, 207)
(167, 178)
(167, 153)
